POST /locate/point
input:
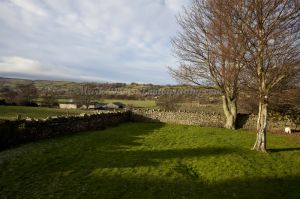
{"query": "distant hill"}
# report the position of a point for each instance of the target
(66, 89)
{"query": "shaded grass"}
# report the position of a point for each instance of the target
(138, 160)
(11, 112)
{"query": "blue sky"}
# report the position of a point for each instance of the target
(88, 40)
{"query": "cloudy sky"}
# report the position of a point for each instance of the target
(88, 40)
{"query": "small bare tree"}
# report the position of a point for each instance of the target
(50, 96)
(87, 94)
(271, 31)
(210, 50)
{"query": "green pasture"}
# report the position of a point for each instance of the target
(139, 160)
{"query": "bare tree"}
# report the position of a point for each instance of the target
(271, 31)
(50, 96)
(87, 94)
(210, 50)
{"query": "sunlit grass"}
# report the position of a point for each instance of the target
(138, 160)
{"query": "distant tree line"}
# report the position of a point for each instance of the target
(22, 94)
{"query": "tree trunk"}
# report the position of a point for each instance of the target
(230, 111)
(261, 142)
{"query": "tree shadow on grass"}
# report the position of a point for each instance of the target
(143, 187)
(149, 187)
(120, 148)
(122, 159)
(71, 171)
(283, 149)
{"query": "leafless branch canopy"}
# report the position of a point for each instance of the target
(271, 30)
(220, 38)
(209, 46)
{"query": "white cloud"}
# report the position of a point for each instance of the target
(19, 64)
(33, 68)
(176, 5)
(30, 6)
(119, 40)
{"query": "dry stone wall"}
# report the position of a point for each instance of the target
(275, 123)
(204, 119)
(187, 118)
(23, 131)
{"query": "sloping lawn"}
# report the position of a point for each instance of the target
(138, 160)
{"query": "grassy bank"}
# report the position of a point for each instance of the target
(138, 160)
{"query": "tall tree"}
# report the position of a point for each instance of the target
(210, 52)
(271, 31)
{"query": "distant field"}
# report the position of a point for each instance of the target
(198, 107)
(135, 103)
(151, 161)
(11, 112)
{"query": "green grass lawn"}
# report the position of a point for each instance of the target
(137, 160)
(11, 112)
